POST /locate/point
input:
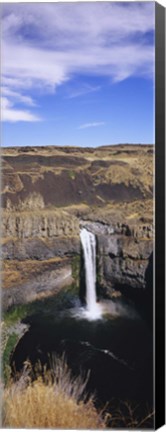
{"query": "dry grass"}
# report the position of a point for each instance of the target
(14, 272)
(127, 416)
(52, 400)
(136, 172)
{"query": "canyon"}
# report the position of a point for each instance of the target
(49, 193)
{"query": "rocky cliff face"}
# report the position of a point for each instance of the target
(48, 193)
(123, 255)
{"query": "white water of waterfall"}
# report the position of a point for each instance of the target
(88, 242)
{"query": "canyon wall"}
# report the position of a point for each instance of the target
(49, 193)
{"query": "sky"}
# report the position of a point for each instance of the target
(79, 74)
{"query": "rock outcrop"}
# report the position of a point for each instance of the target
(123, 253)
(44, 284)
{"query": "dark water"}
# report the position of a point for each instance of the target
(117, 350)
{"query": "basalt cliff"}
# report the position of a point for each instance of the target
(48, 193)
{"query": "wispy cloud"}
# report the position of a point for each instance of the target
(11, 114)
(89, 125)
(45, 45)
(17, 97)
(82, 90)
(10, 99)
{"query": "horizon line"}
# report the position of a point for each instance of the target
(79, 147)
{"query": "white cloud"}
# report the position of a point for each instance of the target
(89, 125)
(27, 100)
(44, 45)
(10, 114)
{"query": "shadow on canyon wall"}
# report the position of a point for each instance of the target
(143, 298)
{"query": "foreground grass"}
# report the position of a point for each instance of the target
(55, 399)
(52, 400)
(40, 406)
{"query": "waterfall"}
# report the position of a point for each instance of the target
(88, 242)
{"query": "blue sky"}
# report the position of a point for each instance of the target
(77, 73)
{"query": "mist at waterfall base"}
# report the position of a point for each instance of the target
(108, 340)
